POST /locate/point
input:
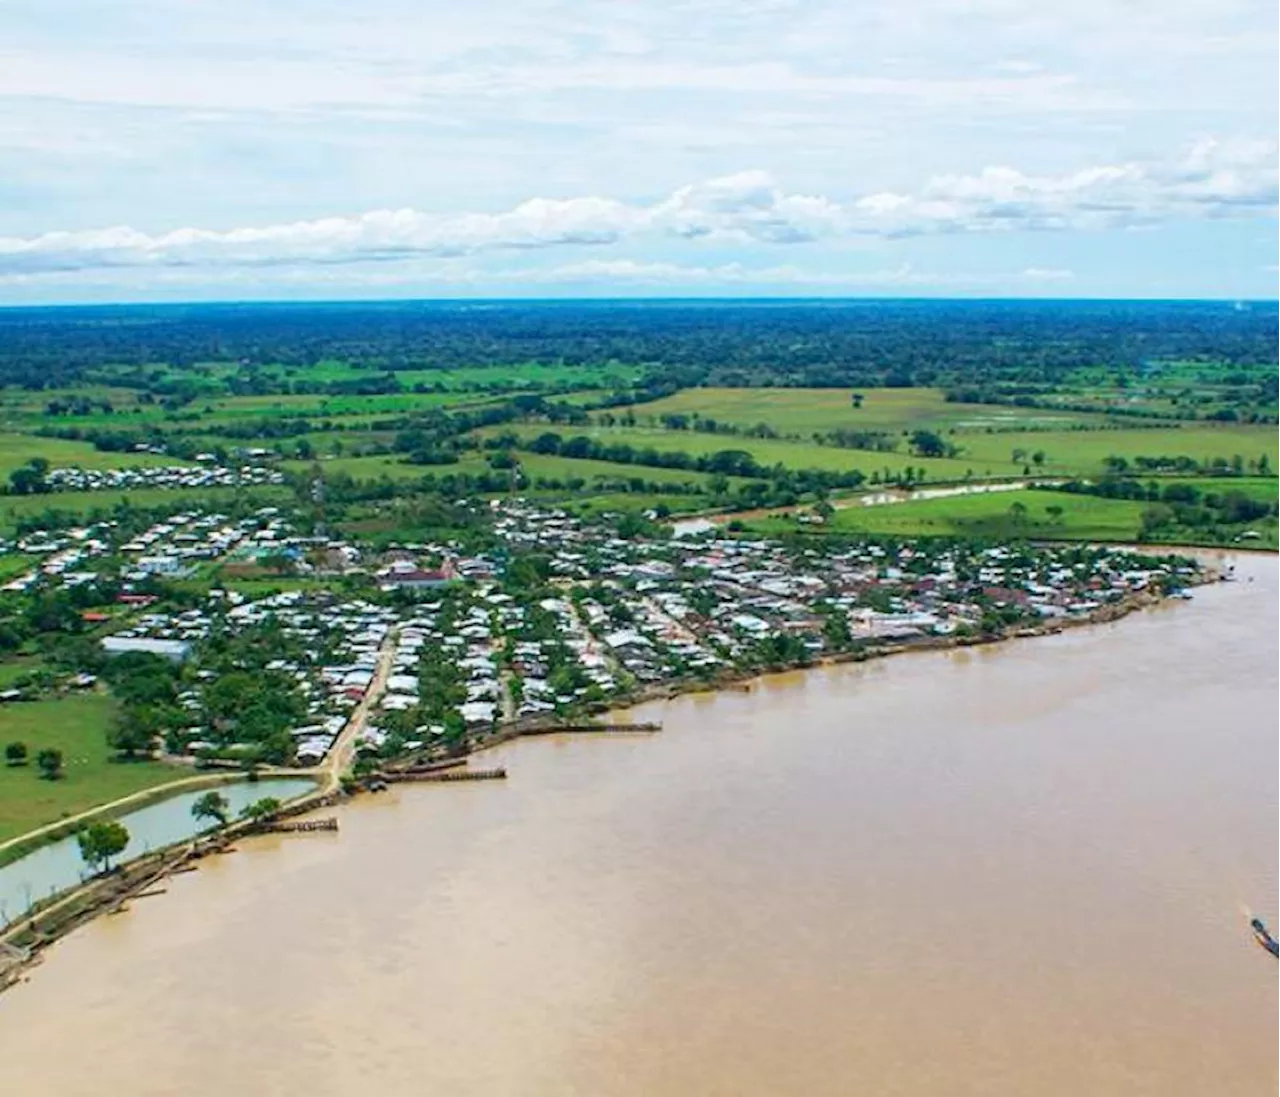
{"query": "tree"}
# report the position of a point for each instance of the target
(364, 766)
(101, 841)
(1155, 518)
(1018, 512)
(15, 754)
(1054, 512)
(49, 761)
(211, 806)
(30, 479)
(261, 810)
(927, 443)
(1038, 458)
(133, 730)
(1115, 464)
(857, 399)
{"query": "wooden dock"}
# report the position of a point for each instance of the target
(433, 767)
(594, 729)
(302, 826)
(445, 776)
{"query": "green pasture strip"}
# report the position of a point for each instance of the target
(75, 725)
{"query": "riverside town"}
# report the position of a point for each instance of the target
(639, 550)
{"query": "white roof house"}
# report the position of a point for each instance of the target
(177, 650)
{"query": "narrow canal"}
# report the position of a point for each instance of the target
(58, 866)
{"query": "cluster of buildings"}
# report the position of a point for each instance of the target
(161, 476)
(171, 548)
(480, 641)
(669, 608)
(330, 647)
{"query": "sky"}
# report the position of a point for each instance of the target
(235, 149)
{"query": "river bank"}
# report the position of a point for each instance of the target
(44, 922)
(1028, 856)
(37, 930)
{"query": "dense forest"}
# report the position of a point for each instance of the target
(738, 343)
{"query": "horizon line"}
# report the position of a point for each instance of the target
(795, 299)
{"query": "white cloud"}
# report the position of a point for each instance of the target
(1047, 274)
(591, 275)
(1215, 179)
(607, 272)
(739, 208)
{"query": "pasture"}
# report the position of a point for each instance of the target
(768, 452)
(1084, 452)
(996, 515)
(566, 468)
(18, 449)
(75, 725)
(802, 412)
(390, 466)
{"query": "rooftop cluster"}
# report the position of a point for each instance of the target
(163, 476)
(563, 618)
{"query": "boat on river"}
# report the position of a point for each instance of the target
(1263, 936)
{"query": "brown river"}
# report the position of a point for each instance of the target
(1015, 870)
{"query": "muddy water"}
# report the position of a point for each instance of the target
(1007, 871)
(59, 865)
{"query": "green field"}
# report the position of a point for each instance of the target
(555, 467)
(988, 516)
(803, 411)
(392, 466)
(75, 725)
(587, 506)
(769, 452)
(18, 449)
(987, 435)
(1082, 452)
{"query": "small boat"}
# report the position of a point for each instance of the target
(1263, 937)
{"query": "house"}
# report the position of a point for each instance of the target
(416, 580)
(176, 650)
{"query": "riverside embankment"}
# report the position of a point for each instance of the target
(1000, 870)
(56, 872)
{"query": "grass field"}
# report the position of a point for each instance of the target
(986, 434)
(989, 515)
(17, 667)
(392, 466)
(18, 449)
(768, 452)
(623, 502)
(565, 468)
(1084, 451)
(804, 411)
(76, 726)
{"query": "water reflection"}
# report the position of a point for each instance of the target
(58, 866)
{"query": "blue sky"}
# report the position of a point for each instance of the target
(215, 149)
